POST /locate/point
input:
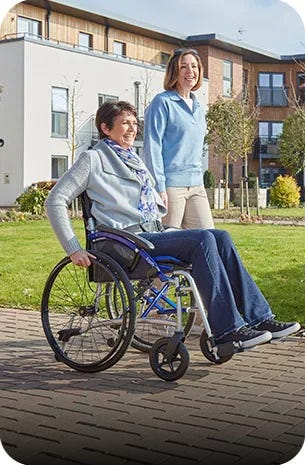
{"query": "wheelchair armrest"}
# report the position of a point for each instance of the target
(140, 241)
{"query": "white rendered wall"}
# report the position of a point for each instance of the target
(11, 122)
(25, 117)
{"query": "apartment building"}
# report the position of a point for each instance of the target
(58, 63)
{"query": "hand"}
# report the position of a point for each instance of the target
(164, 198)
(81, 258)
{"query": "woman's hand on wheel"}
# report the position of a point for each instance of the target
(81, 258)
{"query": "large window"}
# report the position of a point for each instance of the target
(119, 48)
(59, 165)
(227, 78)
(224, 168)
(269, 132)
(28, 26)
(85, 41)
(271, 90)
(59, 112)
(301, 88)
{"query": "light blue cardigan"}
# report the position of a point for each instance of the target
(173, 141)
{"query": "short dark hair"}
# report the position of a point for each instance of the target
(172, 68)
(107, 113)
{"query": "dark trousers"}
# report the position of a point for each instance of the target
(230, 295)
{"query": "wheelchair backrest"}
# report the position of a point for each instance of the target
(128, 249)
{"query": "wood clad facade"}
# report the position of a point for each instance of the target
(66, 28)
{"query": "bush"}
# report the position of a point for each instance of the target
(32, 200)
(285, 193)
(208, 179)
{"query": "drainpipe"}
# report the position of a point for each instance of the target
(137, 95)
(47, 24)
(107, 38)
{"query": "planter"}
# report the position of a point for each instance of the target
(216, 197)
(262, 197)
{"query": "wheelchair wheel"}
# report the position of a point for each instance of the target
(75, 318)
(161, 319)
(168, 370)
(206, 349)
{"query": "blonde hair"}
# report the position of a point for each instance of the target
(173, 65)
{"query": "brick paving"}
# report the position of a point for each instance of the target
(248, 411)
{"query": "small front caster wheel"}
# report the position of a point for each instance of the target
(207, 350)
(168, 370)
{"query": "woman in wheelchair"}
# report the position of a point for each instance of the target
(122, 194)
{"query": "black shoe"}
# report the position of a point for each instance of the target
(246, 337)
(278, 328)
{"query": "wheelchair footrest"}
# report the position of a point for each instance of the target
(228, 348)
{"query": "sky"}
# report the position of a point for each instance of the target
(272, 25)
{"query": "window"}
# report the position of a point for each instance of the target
(85, 41)
(301, 88)
(269, 132)
(227, 79)
(271, 89)
(28, 26)
(230, 180)
(59, 166)
(164, 57)
(119, 48)
(102, 98)
(59, 112)
(245, 84)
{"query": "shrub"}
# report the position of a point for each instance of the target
(208, 179)
(32, 200)
(284, 192)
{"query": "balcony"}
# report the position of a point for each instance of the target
(266, 147)
(272, 96)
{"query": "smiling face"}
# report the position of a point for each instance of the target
(188, 74)
(124, 129)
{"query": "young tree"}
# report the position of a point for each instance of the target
(292, 142)
(74, 115)
(246, 135)
(222, 133)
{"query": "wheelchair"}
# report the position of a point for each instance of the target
(126, 297)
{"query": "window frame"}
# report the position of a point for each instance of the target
(227, 79)
(88, 46)
(65, 158)
(102, 98)
(31, 22)
(55, 112)
(301, 100)
(123, 44)
(269, 99)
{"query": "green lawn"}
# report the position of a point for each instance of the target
(274, 255)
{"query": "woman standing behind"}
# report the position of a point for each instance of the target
(174, 128)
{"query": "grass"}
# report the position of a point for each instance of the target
(273, 254)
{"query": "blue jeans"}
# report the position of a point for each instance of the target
(228, 292)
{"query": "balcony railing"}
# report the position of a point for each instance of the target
(266, 147)
(272, 96)
(79, 48)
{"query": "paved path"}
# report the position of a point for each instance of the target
(248, 411)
